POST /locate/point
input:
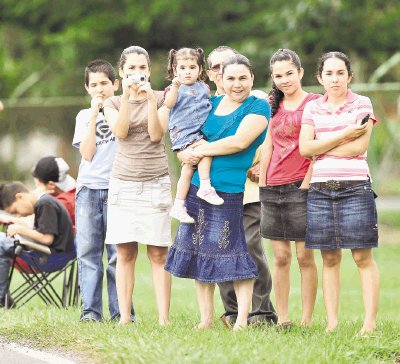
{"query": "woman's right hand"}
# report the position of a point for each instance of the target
(253, 173)
(189, 156)
(126, 85)
(354, 131)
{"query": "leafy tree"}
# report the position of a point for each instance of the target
(48, 44)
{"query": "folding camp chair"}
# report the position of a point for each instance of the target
(39, 268)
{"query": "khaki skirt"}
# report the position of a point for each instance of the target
(139, 212)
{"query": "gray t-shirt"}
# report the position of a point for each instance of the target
(138, 158)
(95, 174)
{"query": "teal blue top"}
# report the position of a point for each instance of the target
(228, 172)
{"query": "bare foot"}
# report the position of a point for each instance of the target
(306, 323)
(367, 329)
(205, 325)
(282, 320)
(164, 322)
(238, 327)
(330, 328)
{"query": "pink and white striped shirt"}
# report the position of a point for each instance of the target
(326, 123)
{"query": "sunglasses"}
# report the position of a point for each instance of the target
(217, 67)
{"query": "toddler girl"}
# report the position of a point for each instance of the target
(188, 100)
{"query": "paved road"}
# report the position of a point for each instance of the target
(11, 353)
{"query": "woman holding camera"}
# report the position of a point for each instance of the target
(139, 196)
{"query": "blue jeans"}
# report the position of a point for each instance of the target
(6, 248)
(91, 227)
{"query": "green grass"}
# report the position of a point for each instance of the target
(389, 187)
(389, 218)
(146, 342)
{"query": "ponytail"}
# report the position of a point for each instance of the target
(275, 97)
(171, 64)
(201, 61)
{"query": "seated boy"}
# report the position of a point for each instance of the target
(52, 225)
(51, 175)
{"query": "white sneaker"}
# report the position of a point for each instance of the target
(181, 214)
(209, 195)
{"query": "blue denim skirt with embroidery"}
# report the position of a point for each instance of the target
(345, 218)
(214, 248)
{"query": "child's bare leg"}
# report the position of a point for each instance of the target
(204, 164)
(369, 275)
(178, 211)
(206, 191)
(204, 168)
(183, 186)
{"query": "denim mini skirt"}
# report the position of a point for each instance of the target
(283, 212)
(214, 248)
(345, 218)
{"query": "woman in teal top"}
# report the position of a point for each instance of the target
(227, 170)
(214, 248)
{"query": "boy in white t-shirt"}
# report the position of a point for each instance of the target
(97, 147)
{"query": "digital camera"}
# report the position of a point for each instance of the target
(137, 78)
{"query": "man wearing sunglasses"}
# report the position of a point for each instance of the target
(262, 309)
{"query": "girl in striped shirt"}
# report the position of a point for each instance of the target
(341, 211)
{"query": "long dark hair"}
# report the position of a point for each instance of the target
(276, 95)
(334, 54)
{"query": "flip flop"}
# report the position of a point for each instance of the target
(226, 322)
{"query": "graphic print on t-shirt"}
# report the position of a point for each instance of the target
(103, 130)
(286, 133)
(104, 133)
